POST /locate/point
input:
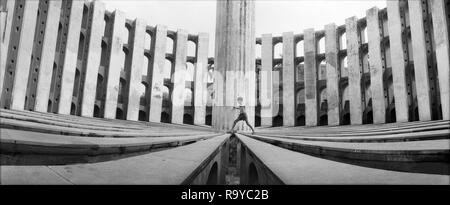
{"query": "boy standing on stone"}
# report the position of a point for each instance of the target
(242, 115)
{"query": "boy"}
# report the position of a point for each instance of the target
(242, 115)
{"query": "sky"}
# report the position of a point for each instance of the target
(272, 16)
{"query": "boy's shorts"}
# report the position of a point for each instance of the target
(242, 116)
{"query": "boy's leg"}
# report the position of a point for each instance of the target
(234, 124)
(248, 124)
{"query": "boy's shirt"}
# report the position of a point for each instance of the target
(241, 109)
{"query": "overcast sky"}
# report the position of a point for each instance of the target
(272, 16)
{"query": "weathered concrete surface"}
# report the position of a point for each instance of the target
(155, 93)
(115, 65)
(71, 120)
(70, 57)
(354, 71)
(6, 34)
(235, 42)
(200, 79)
(367, 137)
(420, 59)
(92, 131)
(47, 57)
(418, 151)
(266, 94)
(376, 66)
(145, 169)
(94, 51)
(26, 142)
(289, 74)
(3, 15)
(398, 61)
(296, 168)
(311, 91)
(24, 52)
(134, 67)
(333, 74)
(179, 71)
(30, 175)
(441, 38)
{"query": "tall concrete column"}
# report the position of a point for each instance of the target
(420, 59)
(376, 66)
(235, 43)
(7, 11)
(441, 37)
(399, 59)
(333, 74)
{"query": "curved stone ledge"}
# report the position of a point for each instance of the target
(296, 168)
(402, 137)
(415, 151)
(171, 166)
(25, 142)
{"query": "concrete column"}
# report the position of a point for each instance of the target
(235, 42)
(200, 79)
(178, 76)
(441, 38)
(6, 34)
(333, 74)
(155, 75)
(398, 61)
(94, 50)
(310, 78)
(48, 56)
(420, 59)
(289, 74)
(70, 57)
(354, 71)
(265, 82)
(25, 48)
(134, 64)
(376, 66)
(249, 65)
(115, 65)
(3, 15)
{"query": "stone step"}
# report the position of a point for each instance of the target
(291, 167)
(100, 121)
(396, 137)
(358, 128)
(414, 151)
(345, 132)
(25, 142)
(53, 129)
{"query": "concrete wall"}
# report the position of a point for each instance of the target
(81, 59)
(409, 50)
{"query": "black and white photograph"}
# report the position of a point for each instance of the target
(236, 93)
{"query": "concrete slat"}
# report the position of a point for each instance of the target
(70, 57)
(398, 59)
(94, 51)
(178, 76)
(289, 74)
(441, 38)
(115, 65)
(377, 66)
(420, 60)
(48, 57)
(24, 53)
(354, 71)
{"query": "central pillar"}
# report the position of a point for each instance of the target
(234, 63)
